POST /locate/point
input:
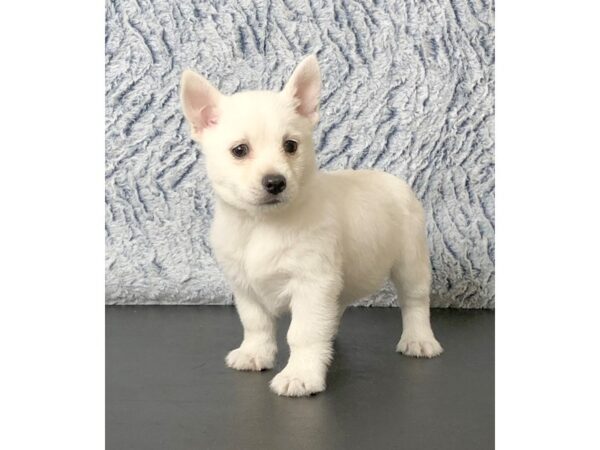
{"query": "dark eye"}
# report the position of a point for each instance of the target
(290, 146)
(240, 151)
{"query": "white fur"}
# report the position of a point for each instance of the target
(334, 237)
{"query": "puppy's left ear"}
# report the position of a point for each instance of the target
(304, 86)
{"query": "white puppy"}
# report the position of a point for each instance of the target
(291, 237)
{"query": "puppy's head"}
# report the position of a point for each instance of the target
(257, 144)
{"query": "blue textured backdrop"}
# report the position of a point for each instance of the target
(408, 88)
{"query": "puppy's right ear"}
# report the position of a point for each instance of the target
(200, 101)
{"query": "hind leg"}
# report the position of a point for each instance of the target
(412, 278)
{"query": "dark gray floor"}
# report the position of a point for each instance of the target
(167, 386)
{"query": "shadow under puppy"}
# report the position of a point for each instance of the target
(291, 237)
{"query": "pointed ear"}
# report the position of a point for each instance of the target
(305, 87)
(199, 100)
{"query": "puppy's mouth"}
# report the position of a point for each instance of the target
(271, 201)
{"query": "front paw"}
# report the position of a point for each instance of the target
(420, 347)
(292, 382)
(250, 359)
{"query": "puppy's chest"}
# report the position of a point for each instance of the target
(259, 259)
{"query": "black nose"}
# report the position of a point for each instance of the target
(274, 184)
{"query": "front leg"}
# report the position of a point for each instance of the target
(259, 347)
(315, 319)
